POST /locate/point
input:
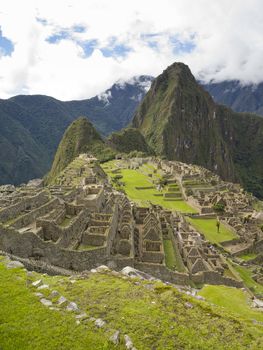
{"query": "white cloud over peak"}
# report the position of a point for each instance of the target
(76, 49)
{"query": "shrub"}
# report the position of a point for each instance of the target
(219, 207)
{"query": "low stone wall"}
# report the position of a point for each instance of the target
(162, 272)
(212, 277)
(73, 232)
(231, 242)
(258, 246)
(24, 245)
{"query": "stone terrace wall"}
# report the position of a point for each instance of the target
(162, 272)
(24, 245)
(28, 218)
(25, 202)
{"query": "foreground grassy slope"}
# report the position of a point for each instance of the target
(155, 316)
(234, 300)
(26, 324)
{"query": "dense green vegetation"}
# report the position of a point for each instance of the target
(128, 140)
(209, 229)
(155, 316)
(132, 179)
(80, 137)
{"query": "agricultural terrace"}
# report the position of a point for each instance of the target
(140, 185)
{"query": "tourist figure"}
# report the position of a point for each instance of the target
(218, 225)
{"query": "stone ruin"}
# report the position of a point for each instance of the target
(80, 222)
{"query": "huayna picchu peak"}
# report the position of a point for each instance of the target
(180, 121)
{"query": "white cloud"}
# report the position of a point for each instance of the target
(227, 38)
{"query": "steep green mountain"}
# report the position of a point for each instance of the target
(80, 137)
(31, 127)
(239, 97)
(21, 157)
(180, 121)
(128, 140)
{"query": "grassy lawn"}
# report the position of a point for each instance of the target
(248, 257)
(170, 259)
(233, 300)
(135, 178)
(209, 229)
(246, 275)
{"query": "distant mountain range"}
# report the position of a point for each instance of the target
(31, 127)
(241, 98)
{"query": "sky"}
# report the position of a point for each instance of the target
(75, 49)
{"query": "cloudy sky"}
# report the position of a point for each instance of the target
(74, 49)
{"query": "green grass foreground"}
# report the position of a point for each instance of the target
(138, 178)
(209, 229)
(154, 315)
(236, 301)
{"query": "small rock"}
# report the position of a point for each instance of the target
(44, 286)
(73, 281)
(61, 300)
(30, 273)
(81, 316)
(93, 270)
(54, 294)
(133, 273)
(14, 265)
(78, 322)
(37, 283)
(39, 295)
(115, 338)
(188, 305)
(128, 342)
(72, 306)
(46, 302)
(102, 268)
(99, 323)
(199, 297)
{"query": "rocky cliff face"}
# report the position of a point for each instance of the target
(180, 121)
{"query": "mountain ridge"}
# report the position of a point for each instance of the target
(42, 121)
